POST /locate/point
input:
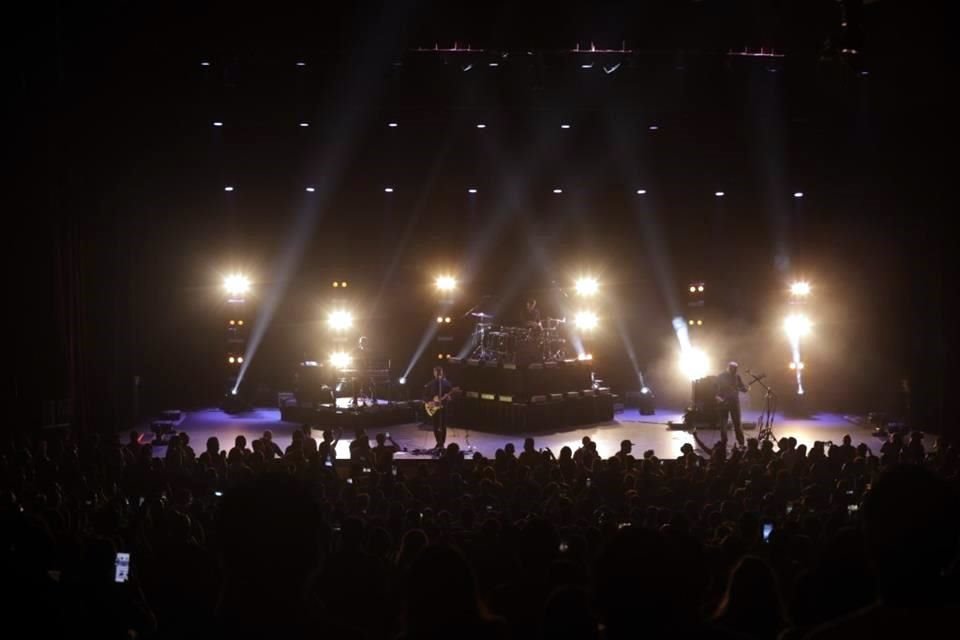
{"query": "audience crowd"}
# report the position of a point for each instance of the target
(323, 540)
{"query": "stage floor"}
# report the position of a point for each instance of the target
(646, 432)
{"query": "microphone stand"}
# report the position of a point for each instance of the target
(765, 422)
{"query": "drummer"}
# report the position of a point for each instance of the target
(532, 314)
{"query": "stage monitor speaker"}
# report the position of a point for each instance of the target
(704, 392)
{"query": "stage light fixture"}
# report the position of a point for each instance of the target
(558, 191)
(301, 64)
(402, 380)
(481, 126)
(471, 190)
(204, 64)
(694, 363)
(240, 322)
(700, 288)
(693, 289)
(231, 359)
(336, 284)
(341, 359)
(699, 323)
(641, 192)
(797, 325)
(584, 357)
(586, 286)
(719, 194)
(340, 320)
(653, 127)
(445, 283)
(439, 319)
(447, 320)
(239, 359)
(310, 189)
(304, 124)
(586, 320)
(217, 123)
(392, 125)
(228, 188)
(645, 390)
(233, 322)
(564, 126)
(388, 189)
(690, 322)
(798, 194)
(493, 64)
(800, 289)
(343, 284)
(236, 284)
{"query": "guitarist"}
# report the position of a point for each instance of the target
(438, 390)
(729, 388)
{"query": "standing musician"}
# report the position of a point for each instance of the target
(729, 388)
(532, 314)
(438, 391)
(363, 386)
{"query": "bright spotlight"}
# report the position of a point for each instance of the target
(586, 320)
(393, 125)
(585, 356)
(439, 319)
(217, 123)
(231, 359)
(694, 363)
(800, 289)
(236, 285)
(653, 127)
(645, 390)
(558, 191)
(341, 360)
(481, 126)
(564, 126)
(798, 194)
(797, 326)
(641, 192)
(310, 189)
(228, 188)
(388, 189)
(402, 380)
(340, 320)
(239, 359)
(447, 320)
(586, 286)
(445, 283)
(719, 194)
(304, 124)
(471, 190)
(700, 288)
(693, 289)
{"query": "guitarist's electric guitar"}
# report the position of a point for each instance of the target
(437, 403)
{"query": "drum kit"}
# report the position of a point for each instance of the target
(541, 342)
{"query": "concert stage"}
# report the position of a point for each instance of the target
(343, 416)
(645, 431)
